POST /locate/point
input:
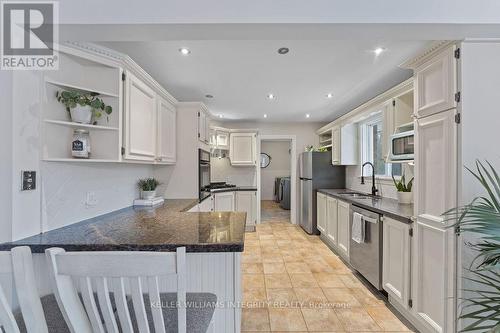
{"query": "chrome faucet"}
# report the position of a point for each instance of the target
(374, 189)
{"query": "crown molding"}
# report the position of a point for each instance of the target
(114, 58)
(433, 49)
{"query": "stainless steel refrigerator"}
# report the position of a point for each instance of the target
(315, 172)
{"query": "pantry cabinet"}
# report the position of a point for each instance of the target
(321, 214)
(166, 132)
(332, 220)
(243, 149)
(344, 233)
(435, 84)
(396, 260)
(140, 120)
(224, 202)
(246, 201)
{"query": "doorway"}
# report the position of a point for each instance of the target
(277, 179)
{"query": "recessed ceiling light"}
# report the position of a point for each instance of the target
(307, 115)
(283, 50)
(265, 116)
(209, 96)
(220, 116)
(378, 50)
(184, 51)
(271, 96)
(329, 95)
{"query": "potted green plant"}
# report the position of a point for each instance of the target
(83, 106)
(480, 310)
(148, 187)
(404, 189)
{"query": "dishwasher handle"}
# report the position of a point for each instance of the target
(370, 219)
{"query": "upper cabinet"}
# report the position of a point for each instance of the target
(150, 124)
(396, 112)
(243, 149)
(435, 84)
(345, 145)
(140, 120)
(167, 115)
(219, 138)
(204, 126)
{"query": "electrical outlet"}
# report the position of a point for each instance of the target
(28, 181)
(91, 199)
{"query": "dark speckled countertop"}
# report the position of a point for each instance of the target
(163, 228)
(385, 206)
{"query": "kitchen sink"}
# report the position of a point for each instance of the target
(358, 195)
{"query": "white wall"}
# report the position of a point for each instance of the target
(280, 166)
(6, 153)
(222, 171)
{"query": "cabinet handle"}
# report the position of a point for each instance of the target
(413, 218)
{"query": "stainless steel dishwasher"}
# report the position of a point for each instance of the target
(366, 257)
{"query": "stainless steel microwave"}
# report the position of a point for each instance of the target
(402, 146)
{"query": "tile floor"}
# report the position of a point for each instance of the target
(272, 212)
(294, 282)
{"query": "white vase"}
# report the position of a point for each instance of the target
(81, 114)
(148, 195)
(405, 197)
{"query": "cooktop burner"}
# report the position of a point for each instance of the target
(218, 185)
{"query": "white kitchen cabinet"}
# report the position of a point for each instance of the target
(434, 244)
(344, 145)
(166, 146)
(224, 202)
(321, 214)
(344, 234)
(396, 112)
(332, 219)
(140, 120)
(222, 138)
(203, 126)
(396, 260)
(435, 84)
(207, 205)
(243, 149)
(246, 201)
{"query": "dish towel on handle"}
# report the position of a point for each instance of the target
(358, 228)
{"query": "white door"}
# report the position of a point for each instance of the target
(224, 202)
(336, 145)
(246, 201)
(435, 84)
(207, 205)
(321, 212)
(434, 244)
(242, 150)
(202, 127)
(396, 260)
(140, 120)
(166, 131)
(332, 219)
(343, 239)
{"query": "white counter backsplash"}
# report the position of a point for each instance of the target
(222, 171)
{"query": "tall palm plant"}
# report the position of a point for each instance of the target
(482, 217)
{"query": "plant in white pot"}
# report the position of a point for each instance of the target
(148, 188)
(83, 105)
(405, 194)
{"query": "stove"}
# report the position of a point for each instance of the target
(220, 185)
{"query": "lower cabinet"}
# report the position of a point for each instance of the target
(246, 201)
(332, 220)
(224, 202)
(207, 205)
(321, 212)
(396, 260)
(343, 237)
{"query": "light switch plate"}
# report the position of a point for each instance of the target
(28, 180)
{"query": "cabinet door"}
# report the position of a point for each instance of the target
(246, 202)
(222, 140)
(434, 244)
(242, 149)
(396, 260)
(140, 120)
(321, 213)
(212, 137)
(224, 202)
(332, 219)
(343, 228)
(435, 84)
(202, 126)
(336, 146)
(166, 132)
(207, 205)
(349, 144)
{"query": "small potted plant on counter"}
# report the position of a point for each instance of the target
(148, 188)
(404, 189)
(82, 106)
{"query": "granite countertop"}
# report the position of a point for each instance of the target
(231, 189)
(162, 228)
(385, 206)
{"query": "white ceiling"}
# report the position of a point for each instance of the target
(240, 74)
